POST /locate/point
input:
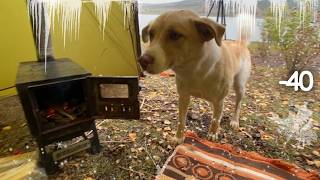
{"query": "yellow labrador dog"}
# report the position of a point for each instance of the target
(205, 66)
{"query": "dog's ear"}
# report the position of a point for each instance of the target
(145, 33)
(209, 29)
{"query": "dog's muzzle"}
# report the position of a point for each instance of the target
(145, 60)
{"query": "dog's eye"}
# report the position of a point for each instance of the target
(174, 35)
(151, 35)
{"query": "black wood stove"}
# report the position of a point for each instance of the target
(62, 102)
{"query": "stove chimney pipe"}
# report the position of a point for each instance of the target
(40, 46)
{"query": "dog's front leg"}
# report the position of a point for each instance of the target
(215, 122)
(183, 108)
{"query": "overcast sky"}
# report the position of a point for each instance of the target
(158, 1)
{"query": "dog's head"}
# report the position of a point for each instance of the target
(176, 37)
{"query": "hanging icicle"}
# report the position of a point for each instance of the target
(67, 12)
(244, 10)
(277, 9)
(102, 8)
(127, 12)
(70, 11)
(308, 6)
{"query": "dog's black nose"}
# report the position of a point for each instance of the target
(145, 60)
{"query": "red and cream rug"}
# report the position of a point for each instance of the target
(202, 159)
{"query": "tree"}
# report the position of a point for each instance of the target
(298, 39)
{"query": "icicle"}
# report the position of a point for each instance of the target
(47, 9)
(126, 8)
(277, 9)
(102, 8)
(70, 14)
(36, 9)
(308, 6)
(245, 10)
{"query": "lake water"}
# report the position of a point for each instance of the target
(231, 29)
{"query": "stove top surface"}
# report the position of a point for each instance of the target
(35, 71)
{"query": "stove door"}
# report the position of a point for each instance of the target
(113, 97)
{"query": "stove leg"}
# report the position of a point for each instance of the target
(47, 162)
(95, 144)
(84, 136)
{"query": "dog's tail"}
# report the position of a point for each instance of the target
(246, 24)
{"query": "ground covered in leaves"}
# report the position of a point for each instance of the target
(137, 149)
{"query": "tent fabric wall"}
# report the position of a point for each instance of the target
(16, 41)
(115, 55)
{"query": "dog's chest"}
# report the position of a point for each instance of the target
(209, 89)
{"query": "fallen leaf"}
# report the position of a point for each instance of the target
(7, 128)
(317, 163)
(166, 74)
(122, 145)
(164, 134)
(88, 178)
(157, 158)
(147, 133)
(306, 155)
(310, 162)
(23, 124)
(316, 153)
(133, 150)
(161, 142)
(133, 136)
(194, 116)
(244, 118)
(317, 124)
(266, 137)
(247, 134)
(167, 122)
(167, 129)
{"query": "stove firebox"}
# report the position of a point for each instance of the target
(62, 102)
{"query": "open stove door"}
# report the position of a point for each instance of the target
(113, 97)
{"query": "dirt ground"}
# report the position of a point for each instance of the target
(137, 149)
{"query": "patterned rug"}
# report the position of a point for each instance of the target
(201, 159)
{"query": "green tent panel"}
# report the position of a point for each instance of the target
(115, 55)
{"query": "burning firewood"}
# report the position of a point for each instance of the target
(62, 112)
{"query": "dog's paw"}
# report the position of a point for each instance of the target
(234, 124)
(177, 140)
(213, 136)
